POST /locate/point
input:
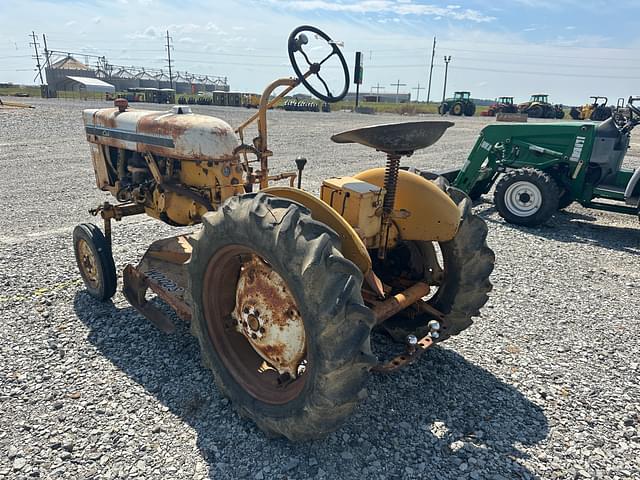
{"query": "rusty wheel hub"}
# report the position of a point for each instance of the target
(255, 325)
(267, 315)
(88, 264)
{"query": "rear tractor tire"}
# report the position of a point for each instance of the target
(535, 112)
(470, 109)
(526, 197)
(457, 109)
(95, 261)
(460, 274)
(279, 316)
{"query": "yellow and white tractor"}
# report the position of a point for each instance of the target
(282, 289)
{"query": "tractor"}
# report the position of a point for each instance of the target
(540, 168)
(460, 104)
(539, 107)
(282, 289)
(592, 111)
(502, 105)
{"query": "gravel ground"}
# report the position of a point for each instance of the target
(545, 385)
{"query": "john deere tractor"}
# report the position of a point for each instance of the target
(282, 289)
(540, 168)
(460, 104)
(539, 107)
(592, 111)
(502, 105)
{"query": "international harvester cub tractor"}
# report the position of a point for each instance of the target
(540, 168)
(282, 289)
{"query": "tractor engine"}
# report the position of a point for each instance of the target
(175, 164)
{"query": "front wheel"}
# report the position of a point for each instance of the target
(526, 197)
(443, 108)
(279, 316)
(95, 262)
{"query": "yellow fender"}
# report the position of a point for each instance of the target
(352, 246)
(433, 216)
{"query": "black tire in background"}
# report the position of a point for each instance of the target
(327, 289)
(464, 287)
(95, 261)
(535, 112)
(470, 109)
(526, 196)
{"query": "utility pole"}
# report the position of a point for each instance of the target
(446, 69)
(418, 88)
(169, 59)
(37, 56)
(398, 85)
(47, 55)
(433, 53)
(377, 88)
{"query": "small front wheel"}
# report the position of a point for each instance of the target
(526, 197)
(95, 262)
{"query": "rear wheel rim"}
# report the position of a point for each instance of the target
(523, 199)
(248, 367)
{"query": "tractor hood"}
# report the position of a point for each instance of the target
(176, 133)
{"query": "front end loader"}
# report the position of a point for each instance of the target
(282, 289)
(540, 168)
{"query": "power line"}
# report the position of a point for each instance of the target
(398, 85)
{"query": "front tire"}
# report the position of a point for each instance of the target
(95, 261)
(526, 197)
(325, 288)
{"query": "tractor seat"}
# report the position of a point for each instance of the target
(399, 138)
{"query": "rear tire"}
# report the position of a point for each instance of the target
(457, 109)
(535, 112)
(559, 114)
(95, 261)
(526, 197)
(465, 285)
(326, 288)
(470, 110)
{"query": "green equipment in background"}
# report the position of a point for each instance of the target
(542, 167)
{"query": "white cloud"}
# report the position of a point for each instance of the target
(394, 7)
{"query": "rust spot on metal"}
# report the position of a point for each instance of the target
(268, 316)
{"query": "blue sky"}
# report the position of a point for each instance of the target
(568, 48)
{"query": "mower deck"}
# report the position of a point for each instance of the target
(163, 271)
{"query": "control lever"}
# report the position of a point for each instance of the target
(300, 163)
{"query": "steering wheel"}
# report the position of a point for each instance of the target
(297, 40)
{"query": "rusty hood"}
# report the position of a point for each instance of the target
(175, 133)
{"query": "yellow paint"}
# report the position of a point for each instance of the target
(433, 216)
(358, 202)
(352, 246)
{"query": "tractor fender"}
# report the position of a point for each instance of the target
(352, 246)
(432, 215)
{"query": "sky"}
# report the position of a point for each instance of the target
(570, 49)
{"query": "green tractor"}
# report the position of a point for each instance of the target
(460, 104)
(540, 168)
(539, 107)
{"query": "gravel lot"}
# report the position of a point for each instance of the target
(545, 385)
